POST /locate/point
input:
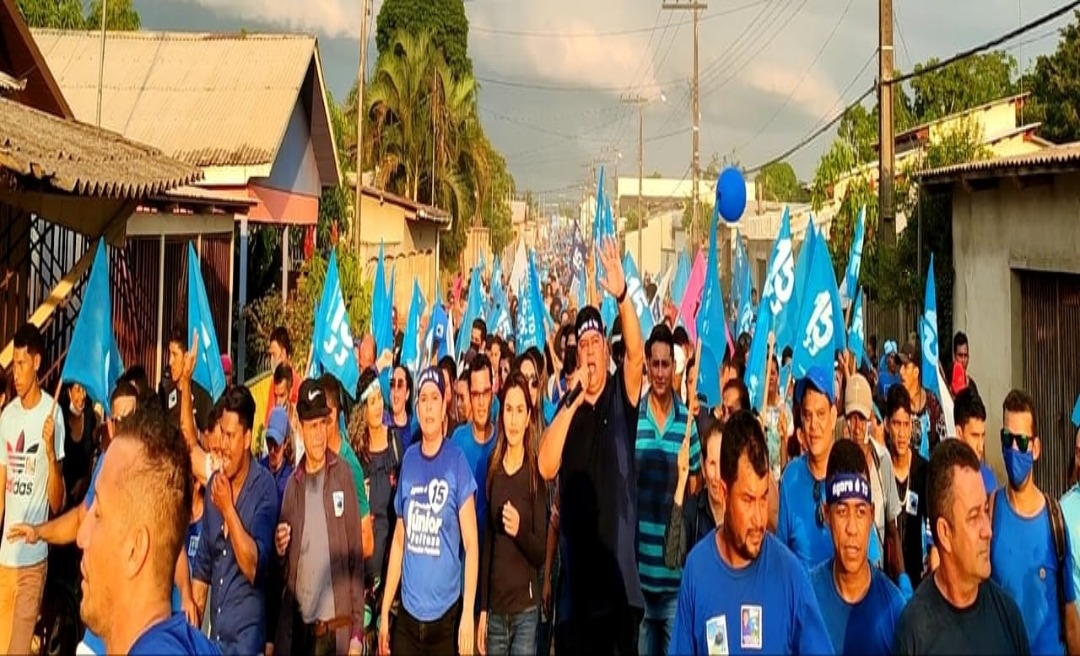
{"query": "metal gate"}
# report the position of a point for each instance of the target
(1050, 313)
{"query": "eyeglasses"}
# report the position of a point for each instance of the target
(819, 513)
(477, 394)
(1023, 442)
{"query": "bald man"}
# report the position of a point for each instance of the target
(131, 539)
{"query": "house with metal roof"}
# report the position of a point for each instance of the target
(250, 111)
(63, 185)
(1016, 289)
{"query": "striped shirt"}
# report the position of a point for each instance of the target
(656, 456)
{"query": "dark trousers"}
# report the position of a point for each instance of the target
(613, 633)
(306, 642)
(411, 636)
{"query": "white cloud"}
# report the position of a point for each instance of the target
(330, 18)
(813, 94)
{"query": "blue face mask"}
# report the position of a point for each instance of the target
(1018, 465)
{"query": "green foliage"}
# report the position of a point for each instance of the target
(56, 14)
(334, 207)
(266, 313)
(777, 182)
(1055, 88)
(444, 19)
(122, 16)
(962, 85)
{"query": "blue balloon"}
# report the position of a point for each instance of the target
(731, 194)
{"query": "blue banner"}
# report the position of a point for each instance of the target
(857, 334)
(334, 349)
(636, 293)
(928, 335)
(779, 292)
(382, 325)
(756, 363)
(93, 360)
(821, 318)
(209, 373)
(851, 274)
(410, 344)
(711, 328)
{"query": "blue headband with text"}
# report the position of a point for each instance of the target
(847, 487)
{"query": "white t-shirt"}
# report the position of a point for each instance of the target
(27, 468)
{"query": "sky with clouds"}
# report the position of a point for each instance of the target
(553, 71)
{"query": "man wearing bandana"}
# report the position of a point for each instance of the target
(858, 602)
(1023, 558)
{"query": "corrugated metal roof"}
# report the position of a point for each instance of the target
(207, 99)
(1066, 156)
(82, 159)
(204, 195)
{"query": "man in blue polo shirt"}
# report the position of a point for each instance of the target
(476, 438)
(801, 523)
(858, 602)
(742, 592)
(661, 426)
(969, 417)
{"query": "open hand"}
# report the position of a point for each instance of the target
(614, 280)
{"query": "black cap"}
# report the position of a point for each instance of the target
(911, 353)
(311, 401)
(588, 318)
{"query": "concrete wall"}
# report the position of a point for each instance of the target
(996, 233)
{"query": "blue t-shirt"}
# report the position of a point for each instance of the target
(767, 607)
(430, 493)
(173, 636)
(797, 525)
(989, 482)
(478, 456)
(866, 627)
(191, 547)
(1023, 562)
(1070, 508)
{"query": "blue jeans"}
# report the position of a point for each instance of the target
(657, 625)
(512, 634)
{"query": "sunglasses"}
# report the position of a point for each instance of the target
(1023, 442)
(819, 513)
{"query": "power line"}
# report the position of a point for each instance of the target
(569, 88)
(993, 43)
(594, 35)
(802, 78)
(900, 31)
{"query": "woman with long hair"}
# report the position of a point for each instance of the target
(400, 417)
(516, 527)
(379, 450)
(436, 524)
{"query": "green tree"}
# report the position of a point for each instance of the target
(1055, 88)
(444, 19)
(122, 16)
(777, 182)
(964, 84)
(54, 14)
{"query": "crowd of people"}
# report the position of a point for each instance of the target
(580, 498)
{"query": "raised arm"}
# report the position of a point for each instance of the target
(614, 283)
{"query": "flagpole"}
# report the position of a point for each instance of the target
(101, 60)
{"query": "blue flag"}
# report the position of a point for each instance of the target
(1076, 413)
(537, 301)
(209, 373)
(577, 257)
(93, 360)
(410, 343)
(756, 365)
(382, 324)
(802, 270)
(682, 279)
(473, 311)
(821, 318)
(779, 292)
(711, 328)
(636, 293)
(529, 327)
(334, 345)
(743, 283)
(851, 274)
(928, 335)
(856, 334)
(440, 332)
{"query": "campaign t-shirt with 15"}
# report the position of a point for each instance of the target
(27, 467)
(431, 492)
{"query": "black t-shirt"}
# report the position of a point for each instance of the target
(931, 625)
(381, 476)
(598, 507)
(913, 514)
(78, 455)
(170, 399)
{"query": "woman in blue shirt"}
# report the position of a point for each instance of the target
(400, 417)
(436, 517)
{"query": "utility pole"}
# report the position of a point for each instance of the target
(886, 207)
(695, 106)
(640, 101)
(101, 61)
(357, 212)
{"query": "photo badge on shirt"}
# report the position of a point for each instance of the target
(716, 635)
(750, 627)
(339, 503)
(911, 503)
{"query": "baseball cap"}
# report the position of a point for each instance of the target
(857, 398)
(817, 379)
(311, 401)
(890, 347)
(588, 319)
(911, 354)
(278, 425)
